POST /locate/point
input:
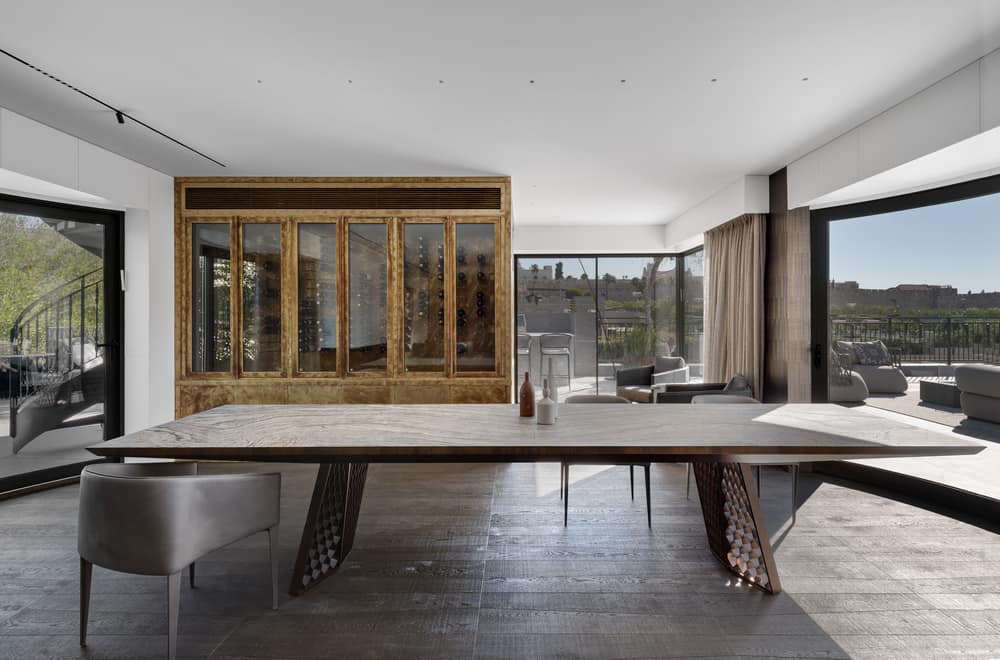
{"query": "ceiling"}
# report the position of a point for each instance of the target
(623, 123)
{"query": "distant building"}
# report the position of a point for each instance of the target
(910, 297)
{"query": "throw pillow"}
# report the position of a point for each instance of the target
(738, 384)
(871, 353)
(668, 363)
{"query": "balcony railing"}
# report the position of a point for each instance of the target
(927, 339)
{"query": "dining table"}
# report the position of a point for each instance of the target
(722, 442)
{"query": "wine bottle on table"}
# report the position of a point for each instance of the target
(526, 397)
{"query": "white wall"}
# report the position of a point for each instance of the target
(953, 109)
(48, 156)
(584, 239)
(748, 194)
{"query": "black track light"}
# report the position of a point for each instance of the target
(119, 116)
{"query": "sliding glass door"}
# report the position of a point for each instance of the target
(582, 318)
(904, 289)
(557, 321)
(60, 338)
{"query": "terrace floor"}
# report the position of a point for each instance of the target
(471, 561)
(975, 474)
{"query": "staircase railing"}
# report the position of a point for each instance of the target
(55, 335)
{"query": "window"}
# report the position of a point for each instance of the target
(618, 312)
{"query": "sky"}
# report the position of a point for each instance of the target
(956, 243)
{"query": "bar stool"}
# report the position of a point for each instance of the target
(523, 349)
(555, 345)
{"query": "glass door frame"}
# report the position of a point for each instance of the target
(113, 223)
(819, 239)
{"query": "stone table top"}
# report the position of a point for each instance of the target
(751, 433)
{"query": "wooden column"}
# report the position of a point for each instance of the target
(787, 367)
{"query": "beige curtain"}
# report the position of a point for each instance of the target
(734, 301)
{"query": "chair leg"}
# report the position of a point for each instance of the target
(191, 575)
(649, 505)
(173, 610)
(562, 479)
(86, 573)
(631, 480)
(795, 491)
(566, 497)
(272, 537)
(758, 482)
(689, 481)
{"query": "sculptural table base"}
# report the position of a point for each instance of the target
(328, 533)
(734, 523)
(729, 504)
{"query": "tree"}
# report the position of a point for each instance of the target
(34, 259)
(534, 270)
(637, 284)
(609, 278)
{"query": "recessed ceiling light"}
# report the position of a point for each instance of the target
(715, 80)
(259, 81)
(350, 81)
(805, 78)
(532, 82)
(440, 82)
(622, 80)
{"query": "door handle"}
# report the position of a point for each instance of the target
(817, 356)
(110, 344)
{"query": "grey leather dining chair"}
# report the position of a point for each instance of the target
(159, 518)
(564, 471)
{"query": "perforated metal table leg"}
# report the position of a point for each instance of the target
(328, 533)
(733, 521)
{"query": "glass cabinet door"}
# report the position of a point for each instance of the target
(475, 297)
(367, 288)
(423, 297)
(211, 330)
(261, 297)
(317, 288)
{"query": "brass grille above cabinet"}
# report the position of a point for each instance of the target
(343, 198)
(329, 290)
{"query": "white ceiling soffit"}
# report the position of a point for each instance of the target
(13, 183)
(623, 123)
(973, 158)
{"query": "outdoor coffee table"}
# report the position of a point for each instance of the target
(941, 392)
(721, 441)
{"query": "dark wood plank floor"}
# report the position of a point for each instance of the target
(471, 561)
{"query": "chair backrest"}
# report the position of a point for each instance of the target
(155, 519)
(555, 340)
(523, 342)
(596, 398)
(723, 398)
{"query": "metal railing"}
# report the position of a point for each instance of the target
(56, 334)
(927, 339)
